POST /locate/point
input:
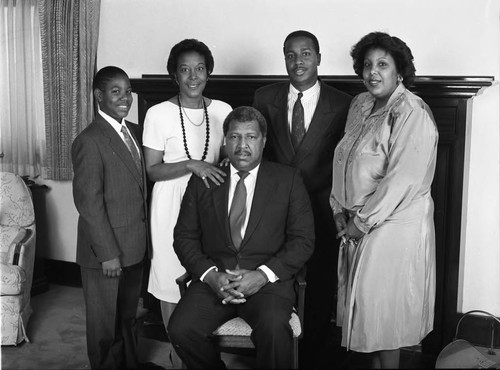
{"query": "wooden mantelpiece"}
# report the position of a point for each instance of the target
(238, 90)
(447, 97)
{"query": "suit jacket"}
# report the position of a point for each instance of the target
(110, 196)
(279, 234)
(315, 154)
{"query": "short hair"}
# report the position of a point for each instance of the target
(302, 33)
(245, 114)
(185, 46)
(104, 75)
(399, 51)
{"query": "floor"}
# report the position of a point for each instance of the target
(57, 340)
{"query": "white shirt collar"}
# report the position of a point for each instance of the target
(114, 123)
(253, 172)
(306, 94)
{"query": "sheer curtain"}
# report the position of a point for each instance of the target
(22, 124)
(69, 30)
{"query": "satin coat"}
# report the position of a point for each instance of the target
(382, 174)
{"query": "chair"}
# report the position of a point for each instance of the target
(234, 335)
(17, 256)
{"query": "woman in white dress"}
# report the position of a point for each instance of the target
(383, 210)
(182, 137)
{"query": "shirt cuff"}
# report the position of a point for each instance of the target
(271, 276)
(206, 272)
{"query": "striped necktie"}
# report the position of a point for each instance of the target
(298, 127)
(132, 149)
(238, 211)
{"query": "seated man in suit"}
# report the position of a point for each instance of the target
(243, 242)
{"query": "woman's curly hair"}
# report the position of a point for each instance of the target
(399, 51)
(185, 46)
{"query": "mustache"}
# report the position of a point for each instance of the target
(242, 151)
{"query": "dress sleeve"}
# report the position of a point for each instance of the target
(412, 149)
(336, 207)
(154, 125)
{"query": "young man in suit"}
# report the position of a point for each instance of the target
(243, 242)
(109, 191)
(306, 120)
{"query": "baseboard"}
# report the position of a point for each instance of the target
(63, 273)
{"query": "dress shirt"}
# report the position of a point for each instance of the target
(118, 128)
(309, 101)
(250, 186)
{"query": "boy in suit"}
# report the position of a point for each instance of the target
(243, 242)
(306, 120)
(109, 192)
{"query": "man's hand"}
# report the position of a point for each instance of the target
(250, 282)
(217, 280)
(112, 268)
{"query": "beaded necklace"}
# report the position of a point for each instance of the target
(207, 138)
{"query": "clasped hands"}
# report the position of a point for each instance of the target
(346, 227)
(233, 286)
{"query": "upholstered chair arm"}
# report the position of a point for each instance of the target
(13, 279)
(19, 263)
(23, 253)
(12, 237)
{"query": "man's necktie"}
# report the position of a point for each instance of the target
(132, 149)
(238, 211)
(298, 127)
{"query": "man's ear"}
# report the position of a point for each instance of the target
(319, 59)
(98, 95)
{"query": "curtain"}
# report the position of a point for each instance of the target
(22, 138)
(69, 34)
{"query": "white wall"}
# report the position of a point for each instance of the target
(480, 253)
(447, 37)
(61, 221)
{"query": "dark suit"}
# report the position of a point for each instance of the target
(109, 193)
(314, 160)
(279, 234)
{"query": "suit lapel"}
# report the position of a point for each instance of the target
(278, 112)
(263, 189)
(322, 118)
(119, 147)
(220, 197)
(143, 162)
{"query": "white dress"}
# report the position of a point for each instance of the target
(163, 132)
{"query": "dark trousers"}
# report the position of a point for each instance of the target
(111, 308)
(200, 312)
(321, 291)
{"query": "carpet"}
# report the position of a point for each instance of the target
(56, 331)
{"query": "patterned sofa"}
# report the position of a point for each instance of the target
(17, 255)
